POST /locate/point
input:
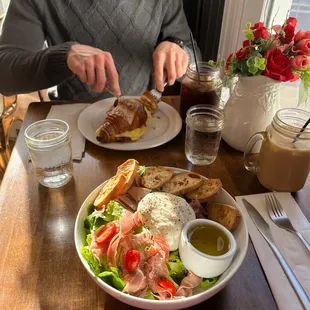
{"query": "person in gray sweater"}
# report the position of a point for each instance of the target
(128, 46)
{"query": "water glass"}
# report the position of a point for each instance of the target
(204, 124)
(49, 143)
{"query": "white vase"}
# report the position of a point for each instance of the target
(250, 109)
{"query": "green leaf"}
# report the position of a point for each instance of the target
(141, 170)
(207, 282)
(262, 67)
(150, 295)
(251, 61)
(250, 36)
(112, 278)
(176, 268)
(88, 239)
(92, 261)
(253, 70)
(90, 208)
(248, 25)
(114, 210)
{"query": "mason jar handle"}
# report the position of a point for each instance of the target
(250, 163)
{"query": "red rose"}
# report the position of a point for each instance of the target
(246, 43)
(278, 66)
(300, 35)
(258, 25)
(302, 47)
(260, 31)
(228, 61)
(299, 62)
(289, 30)
(242, 53)
(292, 21)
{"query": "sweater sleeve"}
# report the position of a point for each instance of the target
(175, 25)
(24, 65)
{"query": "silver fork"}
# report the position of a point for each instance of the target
(280, 218)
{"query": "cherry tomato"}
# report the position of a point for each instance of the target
(106, 233)
(167, 285)
(132, 260)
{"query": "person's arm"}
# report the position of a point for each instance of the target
(170, 60)
(24, 66)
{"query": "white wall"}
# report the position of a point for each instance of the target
(5, 4)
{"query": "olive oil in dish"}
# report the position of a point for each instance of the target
(209, 240)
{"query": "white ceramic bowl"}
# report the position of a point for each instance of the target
(199, 295)
(203, 265)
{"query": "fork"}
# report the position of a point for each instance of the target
(280, 218)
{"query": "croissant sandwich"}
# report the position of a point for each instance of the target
(125, 121)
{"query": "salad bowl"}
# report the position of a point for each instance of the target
(199, 294)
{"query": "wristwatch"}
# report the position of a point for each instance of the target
(174, 40)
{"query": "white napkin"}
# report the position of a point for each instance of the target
(290, 246)
(70, 114)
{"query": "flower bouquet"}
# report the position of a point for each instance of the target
(279, 53)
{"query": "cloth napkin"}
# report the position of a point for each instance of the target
(70, 114)
(294, 252)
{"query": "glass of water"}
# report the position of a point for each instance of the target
(49, 143)
(204, 124)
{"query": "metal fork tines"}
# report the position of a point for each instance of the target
(280, 218)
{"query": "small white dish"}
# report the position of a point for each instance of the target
(201, 264)
(164, 125)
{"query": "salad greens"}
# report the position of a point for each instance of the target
(141, 170)
(205, 283)
(112, 278)
(96, 219)
(176, 268)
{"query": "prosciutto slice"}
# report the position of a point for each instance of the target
(187, 284)
(138, 193)
(128, 202)
(98, 249)
(199, 210)
(112, 250)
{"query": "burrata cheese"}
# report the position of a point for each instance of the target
(165, 215)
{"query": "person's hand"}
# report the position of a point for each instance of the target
(170, 62)
(93, 66)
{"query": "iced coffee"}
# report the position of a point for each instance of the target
(283, 163)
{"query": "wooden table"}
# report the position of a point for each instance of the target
(39, 266)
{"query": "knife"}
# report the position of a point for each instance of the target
(265, 231)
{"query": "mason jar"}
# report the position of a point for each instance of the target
(49, 143)
(204, 124)
(200, 88)
(283, 162)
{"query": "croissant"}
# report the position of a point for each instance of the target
(125, 121)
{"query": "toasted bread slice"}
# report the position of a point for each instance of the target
(110, 190)
(207, 190)
(129, 170)
(156, 177)
(224, 214)
(183, 183)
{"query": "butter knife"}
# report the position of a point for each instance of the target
(264, 229)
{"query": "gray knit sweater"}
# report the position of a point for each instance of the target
(128, 29)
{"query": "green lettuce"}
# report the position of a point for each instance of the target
(113, 211)
(205, 283)
(141, 170)
(176, 268)
(112, 278)
(97, 218)
(92, 261)
(150, 295)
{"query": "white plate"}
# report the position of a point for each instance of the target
(164, 125)
(240, 234)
